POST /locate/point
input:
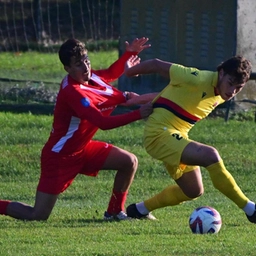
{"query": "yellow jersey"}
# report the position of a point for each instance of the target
(189, 97)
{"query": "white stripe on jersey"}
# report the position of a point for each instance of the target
(108, 91)
(73, 126)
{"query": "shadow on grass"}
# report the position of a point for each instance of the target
(35, 109)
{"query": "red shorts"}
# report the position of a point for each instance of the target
(58, 172)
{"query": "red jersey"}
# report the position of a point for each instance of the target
(81, 109)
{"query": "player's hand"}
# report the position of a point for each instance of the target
(132, 61)
(131, 99)
(146, 110)
(137, 45)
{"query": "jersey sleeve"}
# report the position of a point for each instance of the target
(184, 75)
(109, 122)
(86, 110)
(116, 69)
(94, 116)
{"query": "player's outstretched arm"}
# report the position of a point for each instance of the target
(149, 67)
(116, 69)
(136, 99)
(93, 115)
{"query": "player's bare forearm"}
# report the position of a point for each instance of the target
(149, 67)
(141, 99)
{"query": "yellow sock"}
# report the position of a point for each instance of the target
(225, 183)
(172, 195)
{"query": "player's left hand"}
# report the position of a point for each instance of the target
(137, 45)
(132, 61)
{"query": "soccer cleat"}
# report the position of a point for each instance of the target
(253, 217)
(133, 212)
(120, 216)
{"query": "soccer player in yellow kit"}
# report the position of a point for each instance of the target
(190, 96)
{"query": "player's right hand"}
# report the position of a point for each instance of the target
(137, 45)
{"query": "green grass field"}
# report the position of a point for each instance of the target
(45, 66)
(75, 226)
(32, 77)
(33, 69)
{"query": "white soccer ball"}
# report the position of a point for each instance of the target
(205, 220)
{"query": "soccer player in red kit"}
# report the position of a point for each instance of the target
(84, 104)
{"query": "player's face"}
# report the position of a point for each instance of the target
(226, 87)
(80, 68)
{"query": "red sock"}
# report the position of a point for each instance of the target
(3, 206)
(117, 201)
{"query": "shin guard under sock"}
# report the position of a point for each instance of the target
(117, 202)
(225, 183)
(172, 195)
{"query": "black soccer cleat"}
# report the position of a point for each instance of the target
(253, 217)
(133, 212)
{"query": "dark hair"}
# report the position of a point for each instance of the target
(72, 47)
(238, 67)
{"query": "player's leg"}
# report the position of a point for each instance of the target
(126, 165)
(44, 204)
(208, 157)
(191, 183)
(168, 148)
(57, 174)
(100, 155)
(189, 186)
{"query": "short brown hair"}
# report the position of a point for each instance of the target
(72, 47)
(238, 67)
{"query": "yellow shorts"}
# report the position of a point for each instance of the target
(167, 146)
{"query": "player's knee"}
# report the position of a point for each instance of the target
(211, 156)
(40, 216)
(132, 163)
(196, 192)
